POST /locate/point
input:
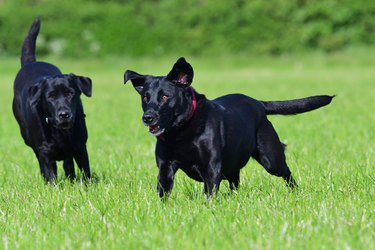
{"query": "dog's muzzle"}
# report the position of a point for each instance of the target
(155, 130)
(150, 119)
(64, 120)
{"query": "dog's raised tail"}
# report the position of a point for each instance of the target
(296, 106)
(28, 47)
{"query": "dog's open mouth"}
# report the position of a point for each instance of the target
(155, 130)
(65, 125)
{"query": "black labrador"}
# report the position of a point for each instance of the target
(49, 111)
(211, 140)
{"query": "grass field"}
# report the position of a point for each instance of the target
(330, 151)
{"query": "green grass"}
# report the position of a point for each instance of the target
(330, 151)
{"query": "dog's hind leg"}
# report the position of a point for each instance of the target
(269, 153)
(69, 168)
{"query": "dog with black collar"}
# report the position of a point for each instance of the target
(49, 111)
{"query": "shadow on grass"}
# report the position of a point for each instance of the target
(81, 180)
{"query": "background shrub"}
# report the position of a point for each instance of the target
(158, 27)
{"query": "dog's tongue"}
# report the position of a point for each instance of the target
(153, 128)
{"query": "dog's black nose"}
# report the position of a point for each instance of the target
(63, 115)
(147, 118)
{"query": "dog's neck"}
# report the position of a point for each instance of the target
(193, 104)
(48, 120)
(191, 113)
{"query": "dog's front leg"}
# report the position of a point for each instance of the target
(212, 178)
(82, 159)
(48, 168)
(167, 171)
(69, 168)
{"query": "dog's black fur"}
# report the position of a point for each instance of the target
(49, 111)
(214, 141)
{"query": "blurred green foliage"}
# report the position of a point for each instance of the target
(157, 27)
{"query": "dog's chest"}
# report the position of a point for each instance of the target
(185, 152)
(190, 159)
(58, 147)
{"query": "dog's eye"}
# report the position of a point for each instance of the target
(164, 98)
(145, 99)
(51, 95)
(68, 93)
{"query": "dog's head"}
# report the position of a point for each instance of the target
(166, 102)
(58, 98)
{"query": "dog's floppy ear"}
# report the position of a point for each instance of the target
(83, 83)
(182, 73)
(137, 80)
(35, 91)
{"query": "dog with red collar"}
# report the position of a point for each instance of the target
(211, 140)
